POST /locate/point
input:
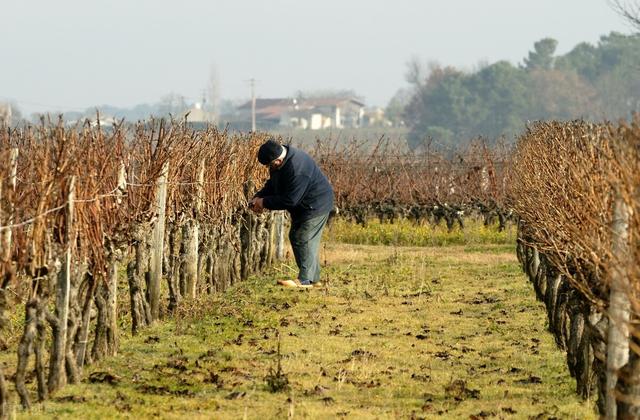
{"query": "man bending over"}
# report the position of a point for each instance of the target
(296, 184)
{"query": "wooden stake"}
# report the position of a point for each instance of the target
(113, 269)
(157, 243)
(56, 365)
(192, 237)
(619, 305)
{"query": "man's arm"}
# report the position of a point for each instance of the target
(266, 190)
(291, 198)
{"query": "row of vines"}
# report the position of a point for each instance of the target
(82, 206)
(385, 181)
(576, 189)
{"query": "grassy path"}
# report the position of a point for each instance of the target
(396, 333)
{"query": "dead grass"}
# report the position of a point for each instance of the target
(396, 333)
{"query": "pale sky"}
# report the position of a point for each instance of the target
(73, 54)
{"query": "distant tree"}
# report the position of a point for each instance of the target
(584, 59)
(561, 95)
(542, 55)
(454, 106)
(172, 103)
(417, 72)
(500, 101)
(600, 81)
(617, 49)
(396, 106)
(618, 75)
(435, 106)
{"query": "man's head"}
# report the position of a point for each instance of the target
(271, 153)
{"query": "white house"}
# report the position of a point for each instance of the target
(196, 114)
(306, 114)
(319, 113)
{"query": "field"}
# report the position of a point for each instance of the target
(396, 332)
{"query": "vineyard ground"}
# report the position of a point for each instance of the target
(396, 332)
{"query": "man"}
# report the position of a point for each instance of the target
(296, 184)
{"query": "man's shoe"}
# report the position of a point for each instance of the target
(317, 284)
(293, 284)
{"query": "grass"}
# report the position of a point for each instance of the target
(405, 233)
(409, 332)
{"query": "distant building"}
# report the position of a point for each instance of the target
(375, 117)
(270, 113)
(5, 114)
(196, 114)
(306, 114)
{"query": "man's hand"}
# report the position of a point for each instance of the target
(257, 205)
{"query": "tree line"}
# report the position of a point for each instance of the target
(447, 105)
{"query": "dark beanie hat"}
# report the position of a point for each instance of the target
(269, 151)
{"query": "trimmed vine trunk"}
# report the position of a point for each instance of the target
(577, 327)
(262, 241)
(204, 262)
(34, 337)
(173, 279)
(246, 248)
(89, 287)
(105, 342)
(71, 365)
(75, 322)
(629, 386)
(137, 274)
(586, 376)
(235, 254)
(25, 348)
(42, 316)
(280, 234)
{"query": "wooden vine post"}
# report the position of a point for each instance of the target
(113, 295)
(157, 243)
(192, 236)
(619, 305)
(57, 377)
(114, 257)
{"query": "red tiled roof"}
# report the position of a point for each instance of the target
(267, 102)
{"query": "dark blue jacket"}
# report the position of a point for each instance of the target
(298, 186)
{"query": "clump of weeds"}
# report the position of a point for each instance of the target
(276, 379)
